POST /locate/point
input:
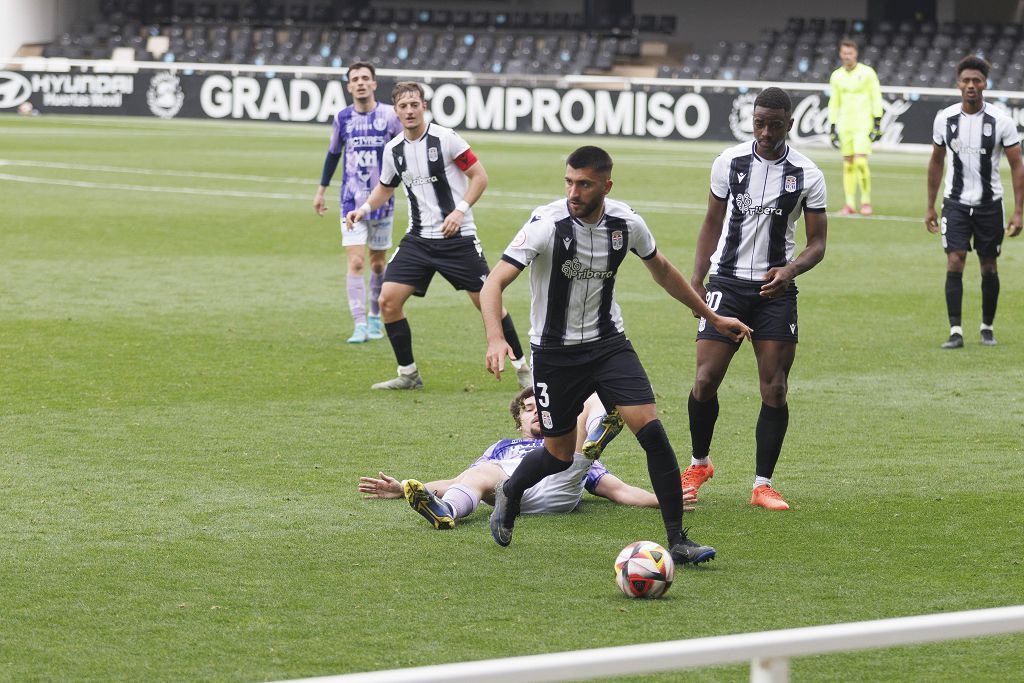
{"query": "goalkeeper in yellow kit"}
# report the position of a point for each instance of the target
(855, 118)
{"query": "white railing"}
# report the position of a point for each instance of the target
(64, 64)
(768, 652)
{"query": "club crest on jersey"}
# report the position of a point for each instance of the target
(545, 418)
(616, 239)
(986, 130)
(380, 124)
(790, 183)
(432, 154)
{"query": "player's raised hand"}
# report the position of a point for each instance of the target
(452, 223)
(931, 220)
(497, 352)
(1013, 227)
(385, 487)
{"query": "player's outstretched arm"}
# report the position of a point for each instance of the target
(384, 487)
(618, 491)
(673, 282)
(931, 219)
(1013, 156)
(378, 196)
(389, 487)
(490, 308)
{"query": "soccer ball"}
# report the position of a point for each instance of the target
(644, 570)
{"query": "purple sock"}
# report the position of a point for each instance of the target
(461, 499)
(357, 298)
(376, 282)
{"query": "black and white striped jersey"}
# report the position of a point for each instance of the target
(572, 270)
(765, 199)
(432, 171)
(975, 144)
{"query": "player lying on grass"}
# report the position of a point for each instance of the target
(443, 502)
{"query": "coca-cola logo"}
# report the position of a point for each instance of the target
(810, 121)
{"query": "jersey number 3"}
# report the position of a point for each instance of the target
(543, 400)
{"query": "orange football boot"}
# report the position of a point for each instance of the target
(767, 497)
(695, 475)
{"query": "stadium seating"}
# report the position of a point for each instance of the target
(905, 53)
(527, 43)
(325, 34)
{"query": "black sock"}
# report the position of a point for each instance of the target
(989, 296)
(400, 336)
(771, 431)
(703, 415)
(954, 296)
(664, 472)
(511, 338)
(536, 465)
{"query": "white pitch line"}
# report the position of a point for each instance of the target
(144, 188)
(646, 206)
(152, 171)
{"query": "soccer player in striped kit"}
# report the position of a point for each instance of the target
(361, 129)
(855, 118)
(975, 133)
(442, 179)
(746, 242)
(574, 248)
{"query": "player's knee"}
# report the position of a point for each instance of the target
(355, 265)
(774, 393)
(389, 305)
(705, 386)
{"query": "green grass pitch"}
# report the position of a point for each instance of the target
(182, 428)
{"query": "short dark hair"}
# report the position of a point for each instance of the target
(591, 157)
(362, 65)
(518, 403)
(849, 42)
(973, 62)
(775, 98)
(403, 87)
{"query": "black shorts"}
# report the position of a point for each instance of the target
(982, 223)
(563, 378)
(459, 259)
(770, 319)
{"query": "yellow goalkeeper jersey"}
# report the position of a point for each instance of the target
(856, 98)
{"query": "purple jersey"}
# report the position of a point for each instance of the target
(516, 449)
(363, 136)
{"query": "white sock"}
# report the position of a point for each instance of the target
(461, 499)
(762, 481)
(518, 362)
(956, 329)
(407, 369)
(986, 327)
(699, 461)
